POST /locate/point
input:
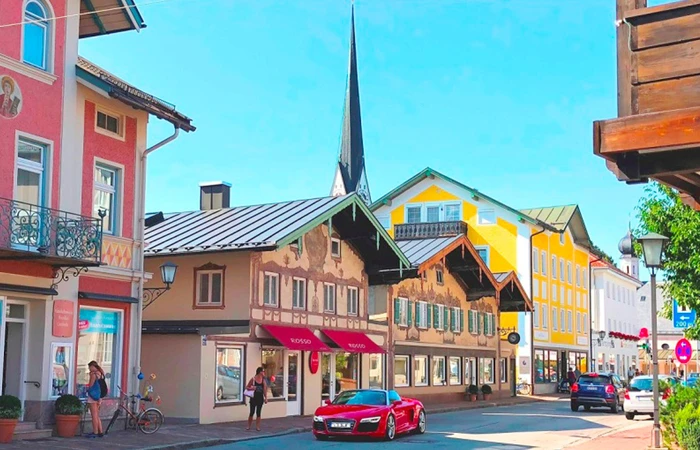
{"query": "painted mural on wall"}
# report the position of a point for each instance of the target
(10, 97)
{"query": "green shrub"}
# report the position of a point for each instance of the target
(473, 389)
(10, 407)
(687, 427)
(486, 389)
(681, 397)
(69, 405)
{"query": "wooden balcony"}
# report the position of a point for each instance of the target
(657, 132)
(428, 230)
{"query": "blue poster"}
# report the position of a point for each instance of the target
(93, 321)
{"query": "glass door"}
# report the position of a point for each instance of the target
(293, 384)
(27, 226)
(327, 377)
(14, 355)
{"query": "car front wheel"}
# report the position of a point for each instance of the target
(390, 432)
(629, 416)
(422, 423)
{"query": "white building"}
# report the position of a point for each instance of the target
(614, 318)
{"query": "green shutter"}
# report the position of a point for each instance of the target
(471, 321)
(452, 320)
(397, 312)
(429, 315)
(461, 319)
(417, 314)
(445, 325)
(436, 316)
(409, 314)
(493, 324)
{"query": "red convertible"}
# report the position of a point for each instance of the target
(369, 413)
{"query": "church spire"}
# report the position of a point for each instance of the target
(350, 174)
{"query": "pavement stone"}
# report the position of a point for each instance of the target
(181, 437)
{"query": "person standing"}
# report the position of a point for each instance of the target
(258, 384)
(630, 373)
(571, 377)
(94, 398)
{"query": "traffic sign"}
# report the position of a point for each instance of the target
(683, 317)
(683, 351)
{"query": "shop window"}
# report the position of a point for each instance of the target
(271, 289)
(210, 286)
(352, 301)
(439, 276)
(335, 247)
(230, 376)
(273, 363)
(455, 370)
(486, 370)
(420, 370)
(376, 371)
(37, 35)
(347, 369)
(439, 375)
(299, 293)
(100, 340)
(329, 297)
(61, 372)
(469, 371)
(546, 366)
(401, 371)
(504, 370)
(105, 197)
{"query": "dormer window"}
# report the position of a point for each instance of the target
(37, 33)
(439, 276)
(335, 247)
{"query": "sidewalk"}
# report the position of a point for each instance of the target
(634, 437)
(178, 437)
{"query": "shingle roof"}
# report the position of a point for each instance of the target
(420, 250)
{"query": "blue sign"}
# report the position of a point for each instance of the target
(93, 321)
(683, 317)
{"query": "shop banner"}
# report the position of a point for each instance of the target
(63, 318)
(93, 321)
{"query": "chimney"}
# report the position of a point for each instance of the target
(214, 195)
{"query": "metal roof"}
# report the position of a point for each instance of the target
(420, 250)
(561, 217)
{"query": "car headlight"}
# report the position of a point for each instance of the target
(318, 419)
(371, 419)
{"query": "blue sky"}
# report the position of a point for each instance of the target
(498, 94)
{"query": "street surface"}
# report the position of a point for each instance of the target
(547, 425)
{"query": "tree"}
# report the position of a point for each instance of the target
(600, 253)
(662, 211)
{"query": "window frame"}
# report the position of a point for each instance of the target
(48, 25)
(433, 362)
(457, 314)
(210, 270)
(569, 316)
(356, 312)
(444, 207)
(535, 260)
(42, 169)
(326, 290)
(407, 358)
(403, 312)
(569, 273)
(459, 370)
(504, 370)
(426, 370)
(486, 261)
(543, 261)
(439, 276)
(536, 314)
(555, 318)
(555, 263)
(423, 325)
(492, 380)
(545, 316)
(441, 316)
(479, 216)
(413, 207)
(295, 282)
(116, 191)
(121, 126)
(241, 383)
(543, 290)
(268, 292)
(338, 255)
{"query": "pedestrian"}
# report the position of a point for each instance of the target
(630, 373)
(257, 384)
(636, 372)
(94, 398)
(577, 373)
(571, 376)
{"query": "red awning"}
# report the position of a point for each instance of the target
(353, 342)
(297, 338)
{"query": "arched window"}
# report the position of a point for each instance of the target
(36, 35)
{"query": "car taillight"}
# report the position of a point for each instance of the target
(627, 394)
(666, 394)
(574, 387)
(610, 389)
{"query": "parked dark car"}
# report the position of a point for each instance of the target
(598, 390)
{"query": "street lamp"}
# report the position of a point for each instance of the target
(653, 247)
(167, 276)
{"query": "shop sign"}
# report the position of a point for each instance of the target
(93, 321)
(63, 315)
(313, 362)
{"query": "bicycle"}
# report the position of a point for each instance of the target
(523, 387)
(146, 420)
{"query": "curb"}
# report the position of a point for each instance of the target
(220, 441)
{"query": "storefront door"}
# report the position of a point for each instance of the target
(293, 383)
(13, 319)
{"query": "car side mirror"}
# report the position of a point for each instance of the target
(326, 402)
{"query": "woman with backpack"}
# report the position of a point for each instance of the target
(97, 388)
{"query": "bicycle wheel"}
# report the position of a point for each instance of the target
(150, 421)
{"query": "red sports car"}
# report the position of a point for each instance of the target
(371, 413)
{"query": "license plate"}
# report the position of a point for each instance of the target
(341, 425)
(645, 398)
(592, 388)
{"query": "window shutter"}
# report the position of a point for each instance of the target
(493, 324)
(409, 313)
(452, 319)
(444, 316)
(397, 310)
(417, 314)
(461, 320)
(429, 315)
(471, 321)
(436, 316)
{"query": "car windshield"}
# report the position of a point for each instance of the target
(374, 398)
(596, 380)
(641, 384)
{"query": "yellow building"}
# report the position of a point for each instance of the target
(508, 240)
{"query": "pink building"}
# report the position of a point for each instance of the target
(72, 183)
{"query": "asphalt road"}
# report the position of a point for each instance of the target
(547, 425)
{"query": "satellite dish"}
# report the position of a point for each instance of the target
(513, 338)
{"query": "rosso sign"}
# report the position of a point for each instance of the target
(358, 346)
(300, 341)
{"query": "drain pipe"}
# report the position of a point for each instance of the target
(532, 315)
(141, 236)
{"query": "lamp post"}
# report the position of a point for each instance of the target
(167, 276)
(653, 246)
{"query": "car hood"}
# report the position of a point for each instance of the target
(350, 411)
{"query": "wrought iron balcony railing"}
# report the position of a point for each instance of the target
(29, 231)
(427, 230)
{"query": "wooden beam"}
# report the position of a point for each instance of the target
(666, 95)
(657, 131)
(667, 62)
(624, 57)
(668, 27)
(644, 12)
(646, 165)
(680, 184)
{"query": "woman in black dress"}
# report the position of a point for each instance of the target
(259, 385)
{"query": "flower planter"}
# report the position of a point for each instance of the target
(487, 397)
(7, 430)
(67, 426)
(472, 397)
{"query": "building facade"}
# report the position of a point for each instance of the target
(286, 286)
(614, 319)
(72, 146)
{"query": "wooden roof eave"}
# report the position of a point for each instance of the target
(512, 282)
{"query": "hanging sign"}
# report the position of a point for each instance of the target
(313, 362)
(63, 315)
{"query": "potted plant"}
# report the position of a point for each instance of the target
(68, 410)
(10, 410)
(472, 391)
(486, 390)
